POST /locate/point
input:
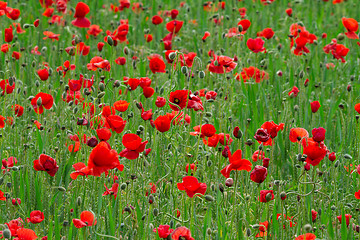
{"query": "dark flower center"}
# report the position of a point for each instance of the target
(176, 100)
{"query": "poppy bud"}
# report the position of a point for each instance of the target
(348, 88)
(201, 74)
(101, 86)
(237, 132)
(100, 95)
(315, 105)
(307, 167)
(266, 162)
(110, 41)
(92, 142)
(39, 102)
(6, 233)
(172, 56)
(283, 195)
(225, 152)
(221, 187)
(279, 73)
(332, 156)
(209, 198)
(347, 156)
(307, 228)
(151, 199)
(249, 142)
(229, 182)
(209, 163)
(156, 212)
(123, 186)
(240, 28)
(340, 37)
(184, 69)
(208, 231)
(268, 197)
(126, 50)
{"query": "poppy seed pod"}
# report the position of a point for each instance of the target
(6, 233)
(156, 212)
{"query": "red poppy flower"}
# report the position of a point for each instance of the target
(5, 48)
(181, 233)
(263, 229)
(245, 23)
(46, 163)
(206, 35)
(81, 10)
(236, 163)
(162, 123)
(16, 55)
(351, 26)
(51, 36)
(156, 64)
(315, 105)
(315, 151)
(252, 73)
(112, 191)
(8, 33)
(19, 110)
(174, 26)
(25, 234)
(294, 92)
(313, 215)
(192, 186)
(179, 98)
(87, 219)
(296, 134)
(47, 102)
(133, 146)
(347, 217)
(115, 123)
(189, 59)
(98, 62)
(120, 61)
(224, 64)
(156, 20)
(2, 196)
(258, 174)
(289, 12)
(357, 194)
(307, 236)
(104, 134)
(338, 51)
(160, 102)
(121, 105)
(6, 87)
(256, 45)
(264, 193)
(163, 230)
(82, 49)
(36, 217)
(267, 33)
(318, 134)
(148, 37)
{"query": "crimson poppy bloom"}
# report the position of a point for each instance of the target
(36, 217)
(221, 64)
(307, 236)
(351, 26)
(112, 191)
(156, 64)
(87, 219)
(206, 35)
(120, 61)
(294, 92)
(263, 229)
(289, 11)
(98, 62)
(15, 225)
(357, 194)
(19, 110)
(6, 87)
(163, 231)
(121, 105)
(256, 45)
(267, 33)
(104, 134)
(46, 163)
(258, 174)
(2, 196)
(133, 146)
(43, 74)
(192, 186)
(51, 36)
(296, 134)
(264, 193)
(318, 134)
(8, 34)
(25, 234)
(181, 233)
(313, 215)
(160, 102)
(81, 10)
(179, 98)
(102, 158)
(236, 163)
(315, 151)
(162, 123)
(46, 102)
(338, 51)
(174, 26)
(252, 73)
(332, 156)
(347, 217)
(315, 105)
(115, 123)
(156, 20)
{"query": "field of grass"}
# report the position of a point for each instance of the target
(169, 119)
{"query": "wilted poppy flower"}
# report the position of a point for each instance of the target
(347, 217)
(81, 10)
(192, 186)
(36, 217)
(256, 45)
(156, 64)
(102, 158)
(315, 151)
(258, 174)
(264, 194)
(163, 230)
(236, 164)
(307, 236)
(318, 134)
(351, 26)
(47, 164)
(162, 123)
(46, 101)
(296, 134)
(133, 146)
(315, 105)
(112, 191)
(87, 219)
